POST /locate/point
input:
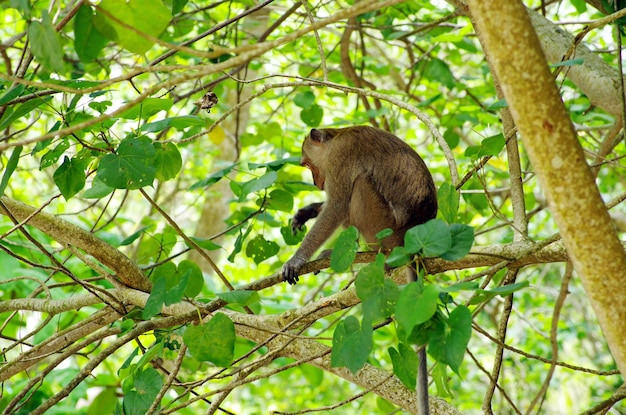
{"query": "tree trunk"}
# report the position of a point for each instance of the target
(558, 160)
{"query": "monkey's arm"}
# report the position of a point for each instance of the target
(330, 217)
(303, 215)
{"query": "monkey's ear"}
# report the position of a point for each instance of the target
(324, 135)
(317, 135)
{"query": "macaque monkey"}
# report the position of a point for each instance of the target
(373, 180)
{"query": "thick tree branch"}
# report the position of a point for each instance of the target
(559, 162)
(69, 234)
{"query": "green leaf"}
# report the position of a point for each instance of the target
(462, 240)
(416, 305)
(171, 283)
(175, 286)
(260, 249)
(568, 62)
(492, 146)
(289, 237)
(257, 184)
(98, 190)
(461, 286)
(146, 16)
(503, 291)
(147, 384)
(345, 249)
(449, 346)
(178, 5)
(313, 375)
(312, 116)
(448, 201)
(213, 341)
(180, 123)
(45, 44)
(196, 280)
(405, 364)
(280, 200)
(243, 297)
(509, 289)
(12, 93)
(88, 42)
(276, 164)
(104, 402)
(580, 5)
(304, 99)
(156, 247)
(439, 71)
(213, 178)
(241, 237)
(204, 243)
(52, 156)
(133, 237)
(147, 108)
(352, 344)
(155, 300)
(398, 257)
(442, 380)
(22, 110)
(168, 161)
(131, 167)
(70, 177)
(10, 168)
(378, 294)
(498, 105)
(431, 238)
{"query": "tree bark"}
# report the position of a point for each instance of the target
(557, 157)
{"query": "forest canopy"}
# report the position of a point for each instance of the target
(150, 168)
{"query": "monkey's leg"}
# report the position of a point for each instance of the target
(369, 212)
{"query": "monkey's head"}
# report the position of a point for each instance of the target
(314, 152)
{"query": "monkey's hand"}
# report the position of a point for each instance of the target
(291, 268)
(303, 215)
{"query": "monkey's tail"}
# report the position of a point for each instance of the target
(422, 383)
(422, 368)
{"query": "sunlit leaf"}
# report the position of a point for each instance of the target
(168, 161)
(448, 201)
(378, 294)
(345, 249)
(45, 44)
(449, 347)
(70, 177)
(88, 42)
(260, 249)
(416, 305)
(243, 297)
(431, 238)
(213, 341)
(352, 344)
(116, 20)
(405, 364)
(131, 167)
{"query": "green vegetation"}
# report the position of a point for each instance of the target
(149, 156)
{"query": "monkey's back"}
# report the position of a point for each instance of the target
(394, 169)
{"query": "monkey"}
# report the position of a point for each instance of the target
(373, 180)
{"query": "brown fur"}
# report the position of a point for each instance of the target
(373, 180)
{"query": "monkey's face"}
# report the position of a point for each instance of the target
(318, 176)
(313, 152)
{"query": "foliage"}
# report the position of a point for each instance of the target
(100, 128)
